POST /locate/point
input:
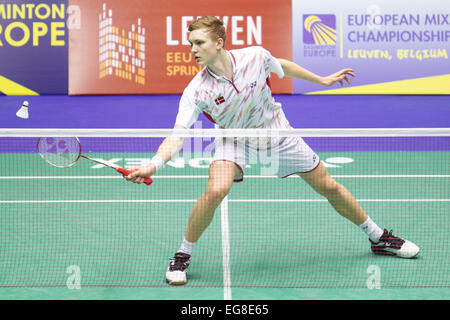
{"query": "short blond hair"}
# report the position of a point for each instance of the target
(213, 25)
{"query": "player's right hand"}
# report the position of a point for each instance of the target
(139, 174)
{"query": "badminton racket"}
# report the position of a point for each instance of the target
(64, 152)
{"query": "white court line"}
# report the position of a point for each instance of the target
(100, 201)
(225, 249)
(247, 176)
(325, 200)
(194, 200)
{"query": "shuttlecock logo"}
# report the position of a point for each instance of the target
(319, 29)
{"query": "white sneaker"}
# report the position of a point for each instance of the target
(176, 272)
(390, 245)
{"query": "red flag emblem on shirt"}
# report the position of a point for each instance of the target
(219, 100)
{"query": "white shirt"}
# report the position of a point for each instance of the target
(242, 102)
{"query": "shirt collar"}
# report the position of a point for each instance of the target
(233, 62)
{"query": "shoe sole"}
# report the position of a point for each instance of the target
(176, 283)
(382, 252)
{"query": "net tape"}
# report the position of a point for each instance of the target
(198, 133)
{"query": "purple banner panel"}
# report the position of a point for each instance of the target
(33, 45)
(394, 47)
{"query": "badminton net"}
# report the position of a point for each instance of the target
(86, 225)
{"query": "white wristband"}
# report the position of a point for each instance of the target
(158, 162)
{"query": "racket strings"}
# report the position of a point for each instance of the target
(59, 152)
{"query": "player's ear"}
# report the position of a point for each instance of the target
(220, 44)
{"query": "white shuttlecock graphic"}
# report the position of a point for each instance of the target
(23, 111)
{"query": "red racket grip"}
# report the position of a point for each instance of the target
(124, 172)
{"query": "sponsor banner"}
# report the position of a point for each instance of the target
(395, 47)
(141, 46)
(33, 46)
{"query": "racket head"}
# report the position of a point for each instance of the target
(61, 152)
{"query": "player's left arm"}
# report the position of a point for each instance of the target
(291, 69)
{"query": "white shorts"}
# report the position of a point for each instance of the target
(292, 155)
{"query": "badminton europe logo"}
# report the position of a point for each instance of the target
(121, 52)
(319, 35)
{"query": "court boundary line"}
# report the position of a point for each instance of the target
(247, 176)
(225, 249)
(194, 200)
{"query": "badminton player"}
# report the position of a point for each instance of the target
(233, 90)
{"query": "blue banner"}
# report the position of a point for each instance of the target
(33, 47)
